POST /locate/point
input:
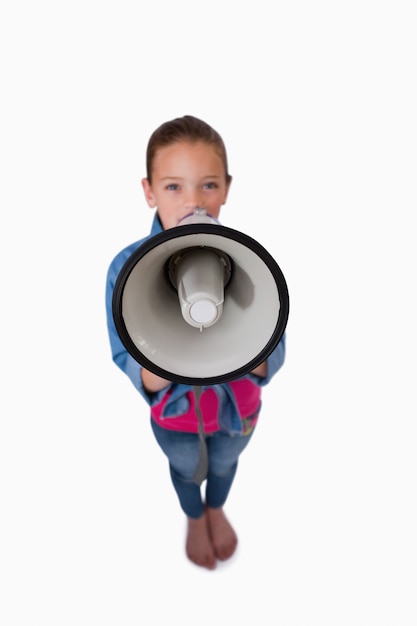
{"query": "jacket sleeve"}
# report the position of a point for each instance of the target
(275, 362)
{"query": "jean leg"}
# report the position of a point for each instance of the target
(224, 452)
(182, 451)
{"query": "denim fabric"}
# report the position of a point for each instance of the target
(182, 450)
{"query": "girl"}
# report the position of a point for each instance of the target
(187, 168)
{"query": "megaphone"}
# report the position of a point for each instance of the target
(200, 303)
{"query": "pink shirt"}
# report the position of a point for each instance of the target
(246, 399)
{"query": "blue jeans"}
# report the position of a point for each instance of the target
(182, 450)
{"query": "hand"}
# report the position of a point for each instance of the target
(152, 382)
(261, 370)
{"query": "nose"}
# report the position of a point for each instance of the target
(193, 200)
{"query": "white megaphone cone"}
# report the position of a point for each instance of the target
(200, 303)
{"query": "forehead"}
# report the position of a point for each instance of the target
(197, 154)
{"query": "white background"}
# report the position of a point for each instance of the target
(316, 102)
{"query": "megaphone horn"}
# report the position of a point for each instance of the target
(200, 303)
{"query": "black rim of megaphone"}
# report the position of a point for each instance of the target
(193, 229)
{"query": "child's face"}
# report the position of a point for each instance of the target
(185, 176)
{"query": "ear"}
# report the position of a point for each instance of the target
(147, 190)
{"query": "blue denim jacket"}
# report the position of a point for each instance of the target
(229, 418)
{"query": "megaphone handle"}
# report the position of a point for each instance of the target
(202, 467)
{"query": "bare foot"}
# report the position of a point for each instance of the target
(223, 537)
(198, 545)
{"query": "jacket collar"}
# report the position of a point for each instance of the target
(156, 226)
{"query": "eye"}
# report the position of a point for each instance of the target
(172, 187)
(210, 185)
